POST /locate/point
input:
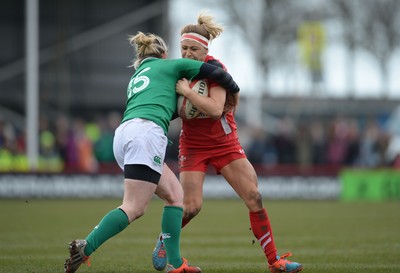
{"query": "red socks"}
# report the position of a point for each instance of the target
(261, 228)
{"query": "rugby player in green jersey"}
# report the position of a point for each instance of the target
(139, 148)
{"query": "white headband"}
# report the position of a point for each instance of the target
(195, 37)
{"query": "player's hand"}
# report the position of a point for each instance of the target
(182, 87)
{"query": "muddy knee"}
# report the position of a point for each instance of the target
(189, 214)
(254, 201)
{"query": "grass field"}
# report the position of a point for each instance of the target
(325, 236)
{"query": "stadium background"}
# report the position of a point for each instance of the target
(303, 139)
(327, 157)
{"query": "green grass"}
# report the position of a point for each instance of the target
(325, 236)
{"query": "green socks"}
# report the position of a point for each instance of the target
(113, 223)
(171, 223)
(116, 221)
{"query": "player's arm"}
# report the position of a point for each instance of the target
(217, 74)
(216, 63)
(212, 106)
(232, 99)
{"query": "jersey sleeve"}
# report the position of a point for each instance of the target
(192, 69)
(217, 74)
(216, 63)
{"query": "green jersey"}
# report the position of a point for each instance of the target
(151, 91)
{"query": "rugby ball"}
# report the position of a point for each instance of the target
(185, 108)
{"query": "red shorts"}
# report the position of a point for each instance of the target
(199, 159)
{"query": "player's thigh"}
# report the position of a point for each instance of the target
(241, 176)
(137, 196)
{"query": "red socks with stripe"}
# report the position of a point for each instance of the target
(261, 228)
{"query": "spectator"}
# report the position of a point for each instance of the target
(86, 161)
(103, 147)
(285, 142)
(65, 143)
(256, 150)
(369, 152)
(337, 142)
(353, 144)
(303, 146)
(318, 143)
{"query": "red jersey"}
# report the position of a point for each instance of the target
(203, 132)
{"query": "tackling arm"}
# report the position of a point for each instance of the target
(217, 74)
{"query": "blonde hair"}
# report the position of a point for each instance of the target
(205, 27)
(147, 45)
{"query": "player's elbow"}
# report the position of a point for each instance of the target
(215, 117)
(215, 113)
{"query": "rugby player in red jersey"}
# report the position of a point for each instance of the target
(212, 139)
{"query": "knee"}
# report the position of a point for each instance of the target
(191, 212)
(174, 198)
(254, 200)
(139, 213)
(133, 214)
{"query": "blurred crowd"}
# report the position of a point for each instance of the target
(65, 144)
(335, 142)
(85, 146)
